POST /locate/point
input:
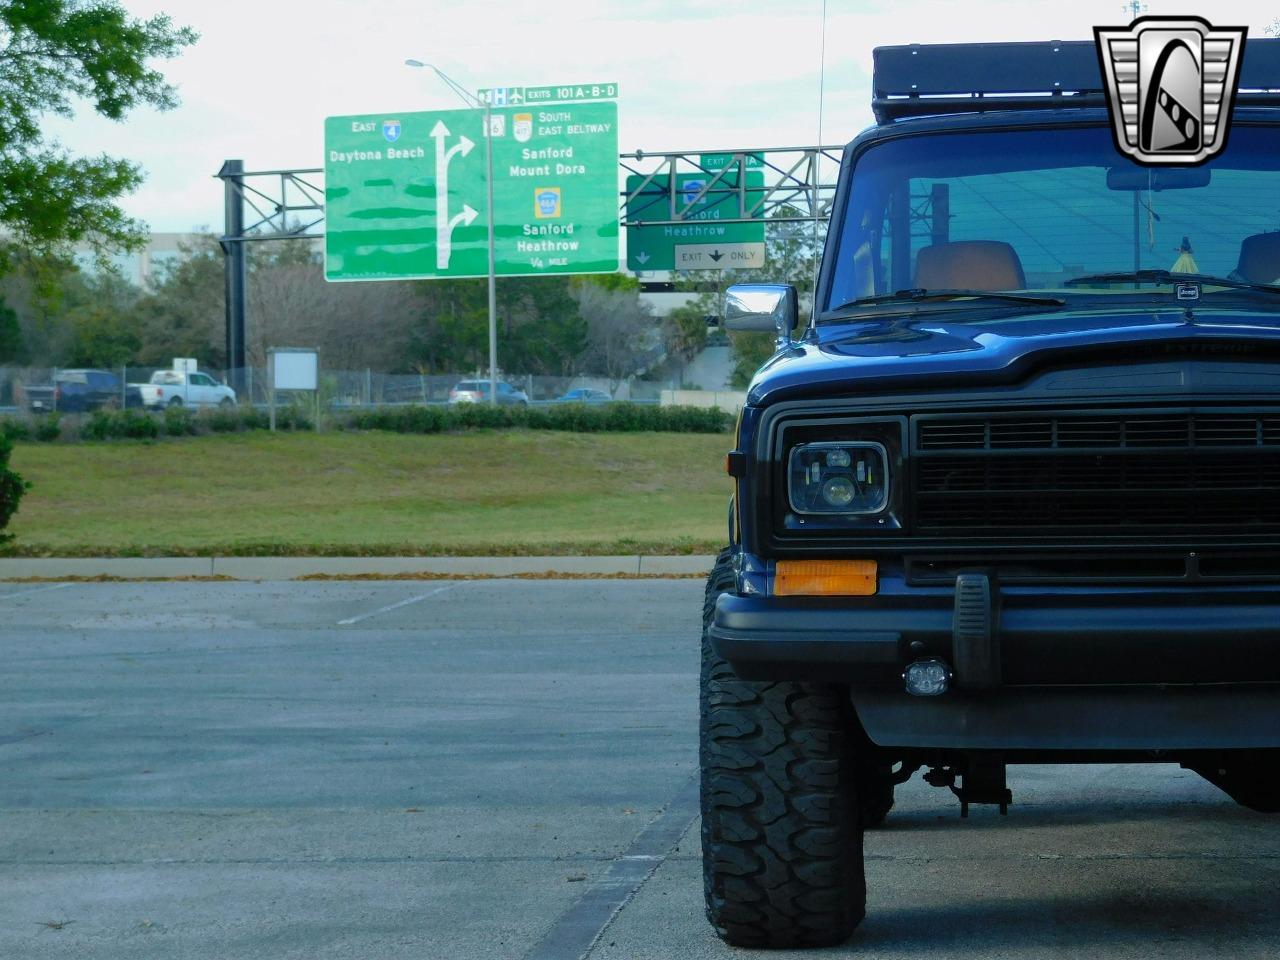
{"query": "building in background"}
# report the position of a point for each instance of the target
(142, 266)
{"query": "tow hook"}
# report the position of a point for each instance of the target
(982, 780)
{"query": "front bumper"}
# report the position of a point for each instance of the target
(1132, 668)
(1028, 635)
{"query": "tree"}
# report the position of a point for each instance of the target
(11, 347)
(686, 330)
(12, 487)
(52, 54)
(183, 314)
(452, 330)
(541, 329)
(620, 330)
(66, 317)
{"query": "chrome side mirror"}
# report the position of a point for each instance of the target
(762, 306)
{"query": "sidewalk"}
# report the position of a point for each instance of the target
(293, 568)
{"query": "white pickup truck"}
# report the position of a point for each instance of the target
(178, 388)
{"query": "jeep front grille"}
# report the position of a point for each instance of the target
(1107, 472)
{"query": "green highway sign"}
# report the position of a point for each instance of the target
(717, 161)
(701, 243)
(406, 193)
(527, 96)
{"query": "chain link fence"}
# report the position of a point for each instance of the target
(73, 390)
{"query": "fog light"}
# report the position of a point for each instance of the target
(927, 678)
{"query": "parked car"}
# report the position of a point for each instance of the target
(79, 391)
(585, 395)
(178, 388)
(477, 391)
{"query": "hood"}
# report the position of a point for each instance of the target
(965, 348)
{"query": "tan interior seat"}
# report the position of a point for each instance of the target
(1260, 258)
(969, 265)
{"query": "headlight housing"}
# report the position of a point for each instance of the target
(848, 478)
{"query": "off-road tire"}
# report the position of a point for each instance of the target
(176, 402)
(781, 837)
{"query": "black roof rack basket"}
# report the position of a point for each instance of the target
(929, 79)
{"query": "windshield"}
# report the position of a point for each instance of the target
(1032, 209)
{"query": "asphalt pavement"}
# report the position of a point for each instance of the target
(497, 769)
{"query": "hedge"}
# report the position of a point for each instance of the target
(572, 417)
(181, 422)
(12, 486)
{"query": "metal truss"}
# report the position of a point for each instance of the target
(287, 204)
(799, 185)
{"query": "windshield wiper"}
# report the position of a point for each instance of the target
(918, 295)
(1167, 277)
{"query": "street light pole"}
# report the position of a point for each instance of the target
(473, 101)
(493, 268)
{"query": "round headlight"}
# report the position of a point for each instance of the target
(838, 491)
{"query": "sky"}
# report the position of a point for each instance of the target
(732, 74)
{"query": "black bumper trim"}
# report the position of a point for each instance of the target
(1081, 718)
(1169, 636)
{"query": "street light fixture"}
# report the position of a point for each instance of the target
(471, 100)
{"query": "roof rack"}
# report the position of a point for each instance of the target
(928, 79)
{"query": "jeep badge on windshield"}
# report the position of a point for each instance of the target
(1170, 85)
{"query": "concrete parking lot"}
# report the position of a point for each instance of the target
(496, 769)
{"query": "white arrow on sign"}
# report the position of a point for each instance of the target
(642, 258)
(445, 224)
(465, 217)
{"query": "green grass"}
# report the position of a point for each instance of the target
(481, 493)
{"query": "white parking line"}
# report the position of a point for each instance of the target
(394, 606)
(23, 593)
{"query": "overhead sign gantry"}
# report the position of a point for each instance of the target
(798, 188)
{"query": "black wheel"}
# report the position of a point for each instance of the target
(226, 403)
(781, 838)
(175, 402)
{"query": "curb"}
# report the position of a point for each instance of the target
(293, 568)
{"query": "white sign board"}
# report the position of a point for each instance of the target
(294, 369)
(185, 364)
(719, 256)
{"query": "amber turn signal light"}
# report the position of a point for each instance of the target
(825, 578)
